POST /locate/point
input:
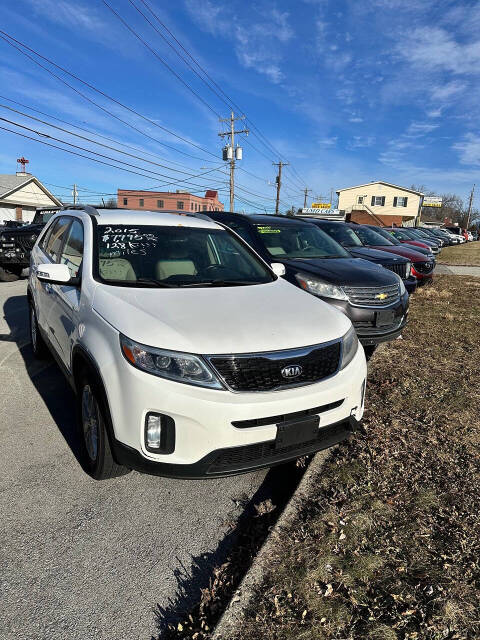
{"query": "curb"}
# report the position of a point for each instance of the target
(231, 620)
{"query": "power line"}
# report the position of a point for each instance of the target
(71, 133)
(102, 93)
(88, 157)
(95, 133)
(179, 78)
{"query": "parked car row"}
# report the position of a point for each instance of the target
(201, 345)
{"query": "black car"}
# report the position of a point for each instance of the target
(16, 243)
(396, 263)
(373, 298)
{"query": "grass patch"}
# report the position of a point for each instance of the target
(389, 546)
(467, 254)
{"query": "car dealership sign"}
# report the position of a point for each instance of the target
(321, 205)
(432, 201)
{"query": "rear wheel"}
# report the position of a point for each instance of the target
(93, 415)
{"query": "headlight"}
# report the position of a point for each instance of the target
(409, 269)
(181, 367)
(319, 287)
(350, 346)
(402, 286)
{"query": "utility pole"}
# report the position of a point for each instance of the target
(279, 182)
(230, 153)
(75, 194)
(305, 197)
(470, 205)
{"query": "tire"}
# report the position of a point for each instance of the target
(7, 276)
(39, 348)
(16, 269)
(369, 351)
(93, 416)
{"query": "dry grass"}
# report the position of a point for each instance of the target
(467, 254)
(389, 547)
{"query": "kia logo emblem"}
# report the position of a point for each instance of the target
(293, 371)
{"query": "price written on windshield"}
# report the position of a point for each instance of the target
(127, 241)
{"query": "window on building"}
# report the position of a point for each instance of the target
(179, 204)
(125, 201)
(191, 206)
(204, 207)
(160, 204)
(378, 201)
(195, 206)
(360, 199)
(400, 201)
(141, 202)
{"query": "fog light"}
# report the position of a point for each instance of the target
(153, 431)
(159, 433)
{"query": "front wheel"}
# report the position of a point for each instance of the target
(92, 416)
(39, 347)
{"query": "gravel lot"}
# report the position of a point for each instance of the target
(81, 559)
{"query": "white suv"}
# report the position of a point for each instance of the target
(189, 356)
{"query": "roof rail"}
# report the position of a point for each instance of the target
(80, 207)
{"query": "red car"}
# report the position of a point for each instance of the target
(380, 238)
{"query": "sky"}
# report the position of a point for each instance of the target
(346, 92)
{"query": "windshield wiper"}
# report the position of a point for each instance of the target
(219, 283)
(153, 282)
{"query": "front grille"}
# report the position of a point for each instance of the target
(373, 296)
(424, 267)
(398, 268)
(265, 453)
(22, 242)
(263, 371)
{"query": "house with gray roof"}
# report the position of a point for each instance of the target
(21, 194)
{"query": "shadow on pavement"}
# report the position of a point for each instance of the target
(47, 378)
(195, 595)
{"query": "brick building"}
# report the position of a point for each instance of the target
(168, 201)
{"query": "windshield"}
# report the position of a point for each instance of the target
(298, 241)
(402, 235)
(43, 218)
(180, 256)
(342, 234)
(370, 237)
(388, 235)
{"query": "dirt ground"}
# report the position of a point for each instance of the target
(467, 254)
(389, 546)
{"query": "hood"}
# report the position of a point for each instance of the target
(375, 254)
(417, 243)
(27, 230)
(264, 317)
(411, 254)
(350, 272)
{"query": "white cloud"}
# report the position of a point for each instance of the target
(359, 142)
(328, 142)
(417, 129)
(69, 14)
(257, 44)
(355, 119)
(469, 149)
(435, 49)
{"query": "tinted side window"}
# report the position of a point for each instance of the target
(72, 253)
(55, 238)
(242, 231)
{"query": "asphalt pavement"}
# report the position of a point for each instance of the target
(81, 559)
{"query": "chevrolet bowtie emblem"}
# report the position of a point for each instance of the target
(381, 296)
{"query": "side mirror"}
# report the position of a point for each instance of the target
(278, 269)
(55, 274)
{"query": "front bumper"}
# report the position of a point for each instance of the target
(236, 460)
(364, 319)
(223, 432)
